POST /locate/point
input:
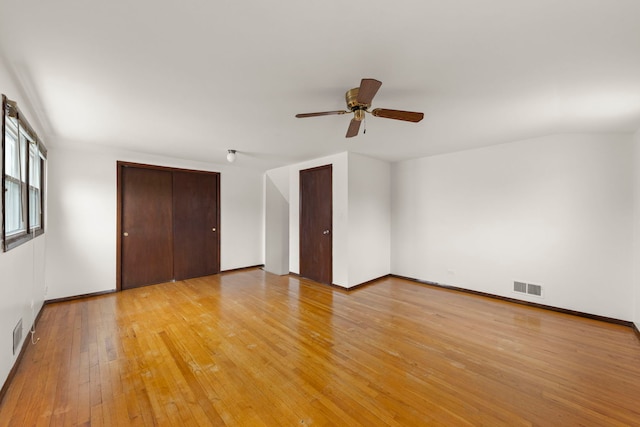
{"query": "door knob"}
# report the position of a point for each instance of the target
(213, 229)
(125, 234)
(325, 232)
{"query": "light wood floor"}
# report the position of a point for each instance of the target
(249, 349)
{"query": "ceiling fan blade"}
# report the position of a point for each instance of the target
(324, 113)
(354, 127)
(368, 89)
(407, 116)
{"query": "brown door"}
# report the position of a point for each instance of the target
(195, 224)
(316, 224)
(147, 229)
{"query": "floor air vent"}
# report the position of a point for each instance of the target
(17, 336)
(520, 287)
(527, 288)
(534, 290)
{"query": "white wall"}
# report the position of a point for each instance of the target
(555, 211)
(81, 243)
(22, 268)
(369, 218)
(361, 217)
(276, 230)
(636, 220)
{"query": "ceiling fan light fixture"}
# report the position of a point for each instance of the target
(231, 156)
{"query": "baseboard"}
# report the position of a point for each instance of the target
(251, 267)
(363, 284)
(342, 288)
(521, 302)
(95, 294)
(14, 368)
(75, 297)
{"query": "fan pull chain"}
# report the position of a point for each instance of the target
(365, 125)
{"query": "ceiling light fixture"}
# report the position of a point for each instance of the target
(231, 156)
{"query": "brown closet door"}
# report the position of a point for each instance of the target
(195, 224)
(316, 224)
(147, 229)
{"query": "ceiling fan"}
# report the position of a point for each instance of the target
(358, 102)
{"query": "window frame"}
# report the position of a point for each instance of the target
(23, 131)
(36, 228)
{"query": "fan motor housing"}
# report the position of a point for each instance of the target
(352, 103)
(352, 100)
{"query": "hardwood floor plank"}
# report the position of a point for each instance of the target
(97, 416)
(251, 348)
(83, 410)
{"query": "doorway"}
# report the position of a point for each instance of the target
(316, 222)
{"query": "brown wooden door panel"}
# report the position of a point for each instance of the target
(316, 223)
(147, 228)
(195, 224)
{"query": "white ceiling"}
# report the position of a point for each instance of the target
(190, 79)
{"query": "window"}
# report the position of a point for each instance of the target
(24, 158)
